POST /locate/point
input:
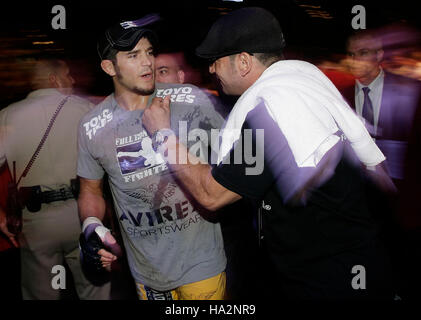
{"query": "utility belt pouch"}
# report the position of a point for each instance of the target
(31, 198)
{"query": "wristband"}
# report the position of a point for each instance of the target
(90, 220)
(101, 231)
(92, 224)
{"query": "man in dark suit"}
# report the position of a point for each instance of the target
(387, 104)
(385, 101)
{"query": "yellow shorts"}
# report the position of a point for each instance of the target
(208, 289)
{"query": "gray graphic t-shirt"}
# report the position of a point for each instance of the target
(167, 241)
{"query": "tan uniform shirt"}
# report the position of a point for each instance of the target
(22, 125)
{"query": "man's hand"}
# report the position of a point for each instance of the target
(157, 116)
(3, 228)
(108, 257)
(98, 250)
(98, 247)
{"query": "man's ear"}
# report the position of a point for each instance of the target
(52, 79)
(244, 63)
(108, 67)
(180, 76)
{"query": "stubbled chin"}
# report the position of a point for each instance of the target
(147, 84)
(145, 90)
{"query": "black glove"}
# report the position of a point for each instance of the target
(91, 260)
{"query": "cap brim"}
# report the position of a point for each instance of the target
(209, 49)
(214, 56)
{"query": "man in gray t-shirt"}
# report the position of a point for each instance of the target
(173, 251)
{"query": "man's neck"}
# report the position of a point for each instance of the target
(130, 100)
(370, 78)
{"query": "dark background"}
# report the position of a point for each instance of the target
(312, 28)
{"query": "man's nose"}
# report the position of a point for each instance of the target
(147, 60)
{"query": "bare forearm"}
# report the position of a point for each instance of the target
(91, 205)
(196, 177)
(90, 201)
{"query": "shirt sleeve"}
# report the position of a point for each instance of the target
(269, 156)
(231, 172)
(87, 165)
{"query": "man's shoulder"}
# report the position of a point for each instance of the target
(93, 122)
(17, 104)
(81, 101)
(16, 108)
(396, 79)
(96, 110)
(400, 88)
(79, 105)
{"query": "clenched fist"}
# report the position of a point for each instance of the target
(157, 116)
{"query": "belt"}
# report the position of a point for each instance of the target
(56, 195)
(32, 197)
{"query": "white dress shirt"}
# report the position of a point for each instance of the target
(375, 94)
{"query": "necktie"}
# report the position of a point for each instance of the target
(368, 107)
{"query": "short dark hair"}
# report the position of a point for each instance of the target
(111, 55)
(42, 68)
(267, 59)
(376, 39)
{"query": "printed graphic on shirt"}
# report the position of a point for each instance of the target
(155, 194)
(97, 122)
(136, 157)
(176, 226)
(168, 210)
(205, 123)
(170, 218)
(181, 94)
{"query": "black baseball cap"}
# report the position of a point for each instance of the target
(125, 35)
(252, 29)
